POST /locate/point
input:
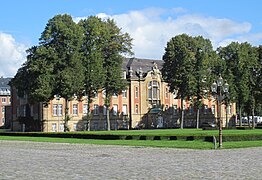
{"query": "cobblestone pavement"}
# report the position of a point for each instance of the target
(34, 160)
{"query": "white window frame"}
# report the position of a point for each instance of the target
(136, 109)
(85, 106)
(124, 109)
(75, 109)
(96, 109)
(124, 93)
(115, 109)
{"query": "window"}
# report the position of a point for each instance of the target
(75, 126)
(104, 110)
(213, 109)
(124, 109)
(205, 109)
(53, 127)
(85, 109)
(62, 127)
(229, 109)
(96, 109)
(136, 109)
(3, 120)
(60, 109)
(115, 95)
(136, 92)
(3, 100)
(167, 90)
(75, 109)
(191, 110)
(3, 109)
(175, 109)
(153, 92)
(124, 93)
(57, 109)
(115, 109)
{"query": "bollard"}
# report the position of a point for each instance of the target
(214, 142)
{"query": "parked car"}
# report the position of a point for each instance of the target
(209, 126)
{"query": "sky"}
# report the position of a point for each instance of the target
(151, 23)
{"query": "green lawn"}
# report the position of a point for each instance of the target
(195, 144)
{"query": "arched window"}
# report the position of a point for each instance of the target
(153, 93)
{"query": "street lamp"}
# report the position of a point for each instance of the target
(220, 89)
(58, 110)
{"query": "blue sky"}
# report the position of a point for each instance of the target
(151, 23)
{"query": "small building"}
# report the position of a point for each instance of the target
(146, 103)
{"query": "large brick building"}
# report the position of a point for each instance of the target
(4, 101)
(146, 103)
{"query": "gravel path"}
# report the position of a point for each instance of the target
(34, 160)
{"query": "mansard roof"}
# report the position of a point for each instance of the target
(144, 64)
(4, 87)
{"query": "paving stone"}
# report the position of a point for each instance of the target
(35, 160)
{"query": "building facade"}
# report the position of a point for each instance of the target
(146, 103)
(5, 102)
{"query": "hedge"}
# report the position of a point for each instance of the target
(241, 137)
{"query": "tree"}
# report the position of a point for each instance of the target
(178, 67)
(115, 43)
(63, 38)
(92, 58)
(204, 55)
(240, 60)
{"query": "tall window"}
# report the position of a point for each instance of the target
(104, 110)
(154, 92)
(191, 110)
(205, 109)
(124, 109)
(75, 109)
(167, 90)
(85, 109)
(60, 109)
(175, 109)
(136, 92)
(96, 109)
(213, 109)
(124, 93)
(136, 109)
(55, 110)
(115, 109)
(53, 127)
(229, 109)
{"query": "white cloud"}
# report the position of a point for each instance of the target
(152, 28)
(12, 55)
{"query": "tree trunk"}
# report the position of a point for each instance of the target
(66, 116)
(197, 118)
(182, 114)
(253, 118)
(226, 115)
(107, 118)
(240, 117)
(88, 124)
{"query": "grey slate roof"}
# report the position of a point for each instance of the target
(4, 87)
(144, 64)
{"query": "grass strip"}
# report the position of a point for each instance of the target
(196, 144)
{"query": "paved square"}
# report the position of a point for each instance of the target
(34, 160)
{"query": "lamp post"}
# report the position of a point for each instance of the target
(58, 111)
(220, 89)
